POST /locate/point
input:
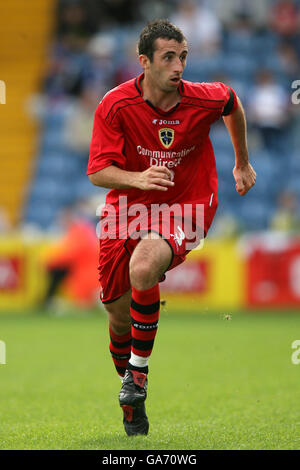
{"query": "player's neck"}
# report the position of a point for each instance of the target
(159, 98)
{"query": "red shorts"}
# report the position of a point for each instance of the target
(115, 253)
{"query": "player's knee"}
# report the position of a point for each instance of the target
(120, 328)
(143, 273)
(119, 321)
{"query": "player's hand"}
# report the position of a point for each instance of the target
(155, 177)
(245, 178)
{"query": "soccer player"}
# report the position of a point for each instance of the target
(151, 145)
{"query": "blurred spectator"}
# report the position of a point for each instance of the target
(256, 10)
(241, 34)
(120, 12)
(129, 67)
(150, 10)
(284, 18)
(79, 123)
(74, 24)
(269, 111)
(286, 217)
(200, 26)
(71, 263)
(225, 226)
(101, 67)
(65, 72)
(288, 61)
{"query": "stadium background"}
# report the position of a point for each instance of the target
(57, 61)
(234, 385)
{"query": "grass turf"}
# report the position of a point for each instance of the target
(213, 384)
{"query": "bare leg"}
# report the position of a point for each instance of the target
(149, 261)
(120, 331)
(119, 314)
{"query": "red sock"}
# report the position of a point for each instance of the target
(144, 310)
(120, 347)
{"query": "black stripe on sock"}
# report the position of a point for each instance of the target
(144, 326)
(142, 345)
(120, 357)
(144, 370)
(145, 309)
(121, 370)
(118, 345)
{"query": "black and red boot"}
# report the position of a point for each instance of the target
(132, 401)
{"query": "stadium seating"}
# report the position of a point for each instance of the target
(276, 172)
(23, 41)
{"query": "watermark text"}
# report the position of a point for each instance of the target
(2, 92)
(296, 354)
(2, 352)
(181, 223)
(296, 94)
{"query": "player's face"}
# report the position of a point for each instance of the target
(167, 66)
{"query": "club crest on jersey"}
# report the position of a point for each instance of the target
(166, 136)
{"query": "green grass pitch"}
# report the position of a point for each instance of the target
(214, 383)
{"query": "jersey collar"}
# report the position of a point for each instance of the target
(137, 84)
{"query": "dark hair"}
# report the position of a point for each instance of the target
(154, 30)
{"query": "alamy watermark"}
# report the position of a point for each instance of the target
(2, 92)
(2, 352)
(296, 94)
(296, 354)
(181, 223)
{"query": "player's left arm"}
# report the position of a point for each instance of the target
(243, 172)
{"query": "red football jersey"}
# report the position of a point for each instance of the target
(131, 133)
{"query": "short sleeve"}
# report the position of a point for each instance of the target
(107, 144)
(221, 96)
(231, 102)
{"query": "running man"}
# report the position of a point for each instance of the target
(151, 145)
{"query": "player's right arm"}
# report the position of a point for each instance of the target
(107, 161)
(155, 177)
(243, 172)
